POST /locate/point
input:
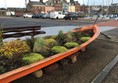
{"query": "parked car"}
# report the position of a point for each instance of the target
(71, 16)
(57, 15)
(38, 15)
(44, 16)
(27, 15)
(35, 16)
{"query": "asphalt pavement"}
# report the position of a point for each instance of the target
(20, 21)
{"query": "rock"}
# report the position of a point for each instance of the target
(73, 58)
(51, 68)
(38, 73)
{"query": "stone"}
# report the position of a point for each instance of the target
(73, 58)
(38, 73)
(51, 68)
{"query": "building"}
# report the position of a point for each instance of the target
(71, 8)
(39, 7)
(35, 6)
(16, 11)
(53, 5)
(113, 8)
(3, 12)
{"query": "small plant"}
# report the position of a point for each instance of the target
(39, 45)
(31, 58)
(77, 36)
(71, 45)
(61, 38)
(84, 39)
(50, 42)
(58, 49)
(14, 48)
(69, 37)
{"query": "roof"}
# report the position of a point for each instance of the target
(36, 3)
(51, 2)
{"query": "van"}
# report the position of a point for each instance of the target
(57, 15)
(27, 15)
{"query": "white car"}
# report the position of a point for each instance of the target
(57, 15)
(27, 15)
(116, 18)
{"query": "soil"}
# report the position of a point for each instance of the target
(89, 64)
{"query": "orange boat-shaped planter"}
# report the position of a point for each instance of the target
(25, 70)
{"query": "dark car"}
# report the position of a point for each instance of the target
(38, 15)
(71, 16)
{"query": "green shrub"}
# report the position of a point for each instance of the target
(31, 58)
(53, 37)
(69, 37)
(58, 49)
(51, 42)
(61, 38)
(71, 45)
(77, 36)
(13, 49)
(84, 39)
(39, 45)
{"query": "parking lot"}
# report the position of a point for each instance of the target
(20, 21)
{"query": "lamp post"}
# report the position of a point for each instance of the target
(26, 6)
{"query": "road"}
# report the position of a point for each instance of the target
(19, 21)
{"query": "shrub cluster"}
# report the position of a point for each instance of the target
(31, 58)
(61, 38)
(14, 48)
(58, 49)
(84, 39)
(39, 45)
(71, 45)
(41, 48)
(50, 42)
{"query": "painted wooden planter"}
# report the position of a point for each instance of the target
(22, 71)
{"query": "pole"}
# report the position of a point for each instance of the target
(88, 8)
(26, 5)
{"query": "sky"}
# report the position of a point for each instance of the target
(21, 3)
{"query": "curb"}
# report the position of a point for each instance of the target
(100, 77)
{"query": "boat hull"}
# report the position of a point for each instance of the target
(25, 70)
